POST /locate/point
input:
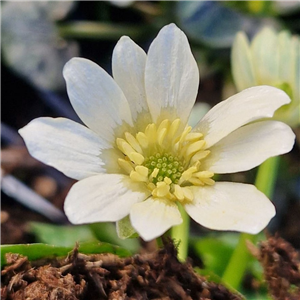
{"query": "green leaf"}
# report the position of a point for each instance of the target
(65, 236)
(38, 251)
(106, 232)
(68, 235)
(125, 229)
(215, 251)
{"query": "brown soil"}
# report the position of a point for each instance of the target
(158, 275)
(281, 264)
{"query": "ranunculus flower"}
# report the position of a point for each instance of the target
(273, 59)
(137, 157)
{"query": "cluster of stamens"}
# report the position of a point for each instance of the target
(168, 166)
(167, 161)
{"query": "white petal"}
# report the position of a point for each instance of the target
(264, 48)
(231, 206)
(96, 98)
(103, 198)
(286, 59)
(128, 65)
(296, 70)
(247, 106)
(249, 146)
(154, 217)
(172, 75)
(65, 145)
(242, 63)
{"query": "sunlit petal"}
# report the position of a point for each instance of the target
(231, 206)
(103, 198)
(247, 106)
(65, 145)
(154, 217)
(172, 75)
(128, 64)
(249, 146)
(96, 98)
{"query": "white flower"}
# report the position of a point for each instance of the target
(273, 59)
(137, 157)
(31, 44)
(121, 3)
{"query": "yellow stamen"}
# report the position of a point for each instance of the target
(184, 134)
(125, 165)
(178, 192)
(150, 132)
(199, 155)
(164, 124)
(193, 136)
(124, 146)
(137, 158)
(140, 174)
(133, 142)
(208, 181)
(161, 136)
(206, 174)
(142, 170)
(196, 181)
(154, 173)
(194, 147)
(167, 180)
(142, 139)
(173, 128)
(166, 158)
(188, 194)
(161, 190)
(186, 175)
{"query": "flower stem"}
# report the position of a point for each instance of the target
(97, 30)
(180, 233)
(267, 175)
(265, 182)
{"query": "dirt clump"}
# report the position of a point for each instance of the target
(281, 264)
(157, 275)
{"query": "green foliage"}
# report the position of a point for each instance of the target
(39, 250)
(64, 236)
(68, 235)
(106, 232)
(215, 251)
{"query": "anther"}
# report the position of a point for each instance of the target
(133, 142)
(136, 157)
(125, 165)
(142, 139)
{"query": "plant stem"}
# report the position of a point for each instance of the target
(265, 182)
(180, 233)
(267, 175)
(97, 30)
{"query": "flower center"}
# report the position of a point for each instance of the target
(166, 159)
(168, 166)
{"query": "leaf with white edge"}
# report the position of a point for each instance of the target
(125, 229)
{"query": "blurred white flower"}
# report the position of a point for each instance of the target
(198, 19)
(31, 44)
(121, 3)
(273, 59)
(137, 158)
(285, 7)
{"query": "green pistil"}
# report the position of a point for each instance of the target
(168, 165)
